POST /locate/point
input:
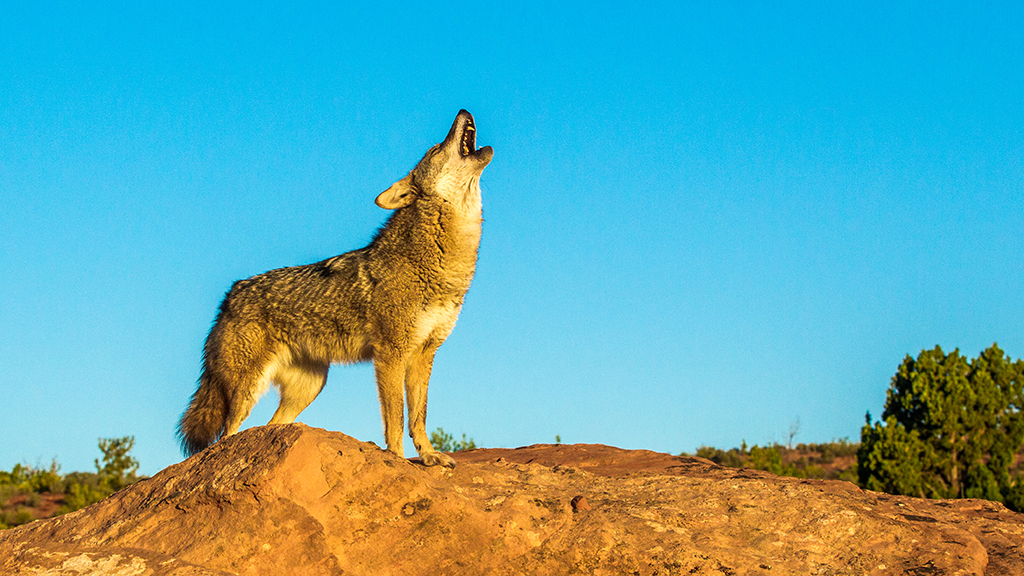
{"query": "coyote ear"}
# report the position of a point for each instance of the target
(401, 193)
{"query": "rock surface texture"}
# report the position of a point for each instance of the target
(299, 500)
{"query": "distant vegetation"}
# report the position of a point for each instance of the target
(445, 442)
(951, 428)
(28, 493)
(830, 461)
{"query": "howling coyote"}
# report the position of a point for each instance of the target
(393, 302)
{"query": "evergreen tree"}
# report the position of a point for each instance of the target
(950, 429)
(889, 459)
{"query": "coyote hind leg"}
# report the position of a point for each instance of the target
(238, 356)
(299, 384)
(241, 402)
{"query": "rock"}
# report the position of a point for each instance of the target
(580, 504)
(299, 500)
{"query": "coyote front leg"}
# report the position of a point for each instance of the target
(390, 369)
(416, 380)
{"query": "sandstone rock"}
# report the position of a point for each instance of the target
(580, 504)
(298, 500)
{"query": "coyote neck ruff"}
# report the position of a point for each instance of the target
(393, 302)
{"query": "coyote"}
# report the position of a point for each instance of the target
(393, 302)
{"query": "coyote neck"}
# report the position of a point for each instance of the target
(440, 238)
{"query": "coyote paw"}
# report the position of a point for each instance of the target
(437, 459)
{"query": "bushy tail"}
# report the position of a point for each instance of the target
(203, 421)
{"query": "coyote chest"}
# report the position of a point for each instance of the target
(435, 323)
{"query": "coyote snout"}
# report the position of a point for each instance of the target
(393, 302)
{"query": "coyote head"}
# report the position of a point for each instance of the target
(448, 172)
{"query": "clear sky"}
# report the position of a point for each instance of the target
(705, 222)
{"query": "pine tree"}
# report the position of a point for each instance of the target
(950, 429)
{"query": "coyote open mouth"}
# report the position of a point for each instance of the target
(468, 138)
(461, 141)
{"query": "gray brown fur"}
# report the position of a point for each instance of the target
(393, 302)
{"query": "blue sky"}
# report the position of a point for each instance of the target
(705, 222)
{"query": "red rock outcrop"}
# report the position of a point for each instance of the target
(298, 500)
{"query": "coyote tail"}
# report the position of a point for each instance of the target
(204, 419)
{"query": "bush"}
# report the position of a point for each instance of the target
(17, 518)
(9, 491)
(830, 451)
(116, 470)
(81, 495)
(732, 458)
(770, 459)
(45, 480)
(800, 462)
(444, 442)
(90, 479)
(82, 489)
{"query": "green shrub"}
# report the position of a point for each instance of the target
(17, 518)
(90, 479)
(848, 475)
(16, 477)
(770, 459)
(444, 442)
(733, 458)
(45, 480)
(804, 461)
(116, 470)
(30, 479)
(81, 495)
(8, 491)
(829, 451)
